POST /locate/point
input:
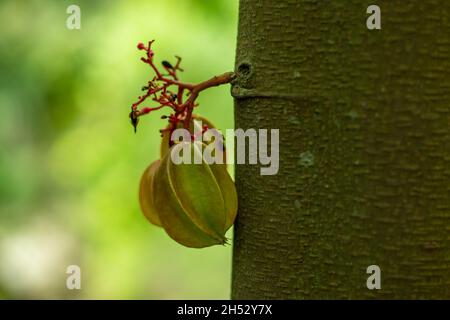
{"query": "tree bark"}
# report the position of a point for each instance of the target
(364, 173)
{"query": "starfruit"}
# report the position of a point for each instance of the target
(195, 203)
(146, 194)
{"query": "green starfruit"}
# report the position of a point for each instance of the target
(195, 203)
(146, 194)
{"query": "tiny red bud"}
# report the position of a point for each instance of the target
(141, 46)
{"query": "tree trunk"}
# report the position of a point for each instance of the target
(364, 150)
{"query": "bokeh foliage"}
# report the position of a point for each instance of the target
(70, 163)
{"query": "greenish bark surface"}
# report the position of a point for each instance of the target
(364, 150)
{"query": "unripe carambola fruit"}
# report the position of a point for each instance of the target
(196, 203)
(146, 184)
(146, 194)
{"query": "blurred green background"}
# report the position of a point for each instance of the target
(70, 163)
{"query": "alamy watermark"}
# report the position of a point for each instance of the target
(374, 280)
(73, 281)
(73, 21)
(212, 146)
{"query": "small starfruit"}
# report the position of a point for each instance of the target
(146, 194)
(195, 203)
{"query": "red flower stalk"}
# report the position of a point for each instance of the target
(168, 91)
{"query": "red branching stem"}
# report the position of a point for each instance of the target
(181, 104)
